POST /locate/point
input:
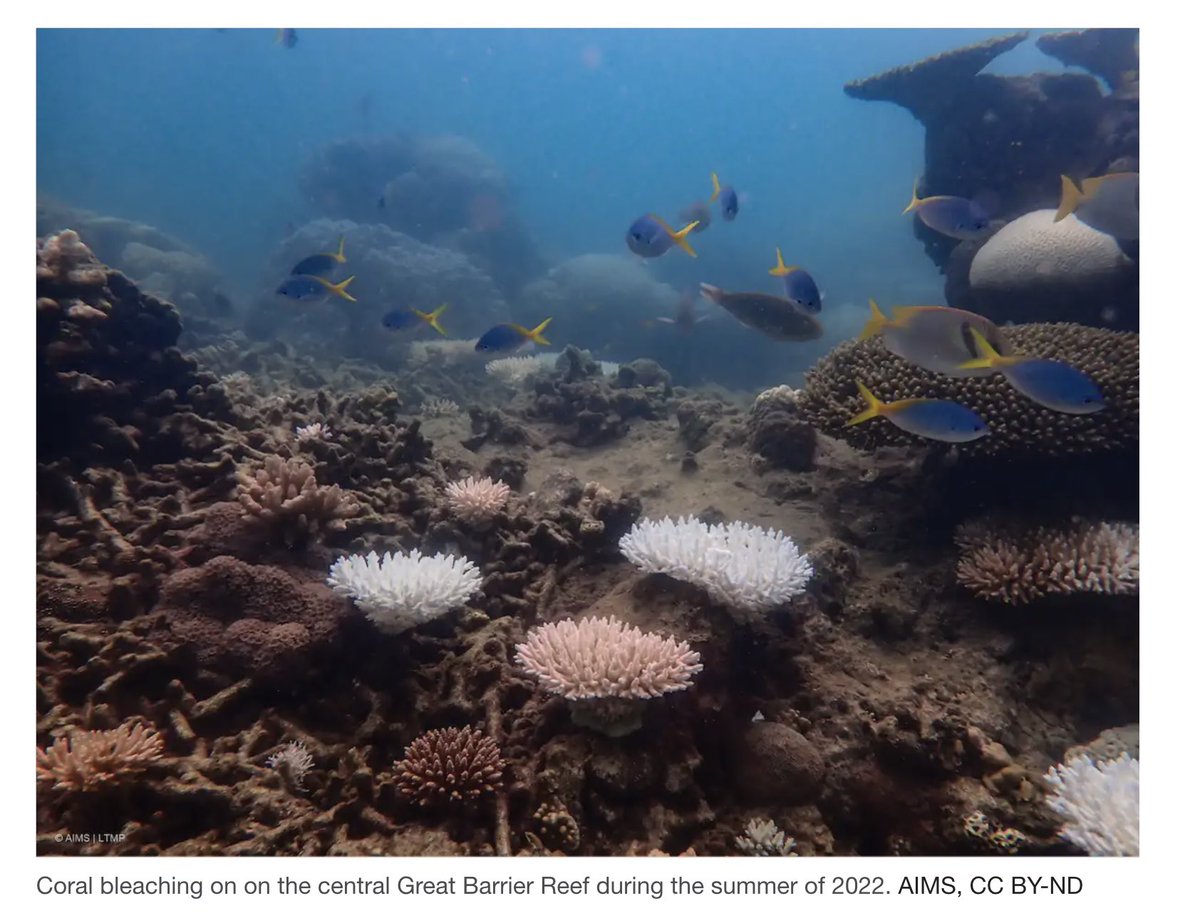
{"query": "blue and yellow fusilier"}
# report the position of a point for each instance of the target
(409, 317)
(726, 197)
(321, 263)
(1053, 384)
(509, 337)
(312, 287)
(955, 217)
(651, 236)
(797, 283)
(939, 420)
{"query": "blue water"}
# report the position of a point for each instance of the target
(202, 134)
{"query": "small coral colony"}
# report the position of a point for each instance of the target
(936, 376)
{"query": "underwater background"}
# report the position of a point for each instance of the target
(429, 461)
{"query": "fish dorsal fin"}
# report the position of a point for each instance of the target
(716, 188)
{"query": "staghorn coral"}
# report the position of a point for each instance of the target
(606, 669)
(452, 765)
(1098, 802)
(762, 839)
(90, 760)
(314, 431)
(746, 568)
(477, 500)
(1018, 427)
(1002, 563)
(284, 496)
(399, 591)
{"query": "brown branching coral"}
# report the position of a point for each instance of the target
(284, 495)
(450, 766)
(90, 760)
(1016, 567)
(1019, 428)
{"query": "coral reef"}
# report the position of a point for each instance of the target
(1017, 566)
(446, 766)
(1018, 427)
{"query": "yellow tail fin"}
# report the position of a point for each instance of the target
(340, 255)
(915, 201)
(781, 269)
(874, 406)
(680, 238)
(432, 317)
(536, 333)
(1072, 197)
(339, 289)
(716, 188)
(876, 324)
(988, 356)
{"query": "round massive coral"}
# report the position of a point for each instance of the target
(450, 766)
(1018, 427)
(606, 669)
(746, 568)
(399, 591)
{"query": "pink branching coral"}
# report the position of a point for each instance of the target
(477, 501)
(89, 760)
(284, 495)
(449, 766)
(1004, 564)
(606, 669)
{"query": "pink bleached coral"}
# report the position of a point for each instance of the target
(477, 501)
(606, 669)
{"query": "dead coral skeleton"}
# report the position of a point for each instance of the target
(284, 494)
(1014, 566)
(89, 760)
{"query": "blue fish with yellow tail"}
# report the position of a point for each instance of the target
(321, 263)
(1053, 384)
(955, 217)
(797, 284)
(410, 317)
(726, 197)
(312, 287)
(939, 420)
(509, 337)
(651, 236)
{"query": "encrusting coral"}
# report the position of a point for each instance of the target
(450, 765)
(90, 760)
(1018, 427)
(284, 496)
(606, 669)
(1004, 563)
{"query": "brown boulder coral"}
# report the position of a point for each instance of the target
(1019, 428)
(450, 766)
(284, 496)
(255, 619)
(1005, 564)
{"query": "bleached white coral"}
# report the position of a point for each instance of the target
(514, 370)
(477, 500)
(1098, 803)
(743, 567)
(439, 406)
(293, 761)
(763, 839)
(399, 591)
(315, 431)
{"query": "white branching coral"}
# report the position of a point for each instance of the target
(315, 431)
(514, 370)
(477, 500)
(292, 761)
(399, 591)
(763, 839)
(741, 566)
(1098, 803)
(606, 669)
(439, 406)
